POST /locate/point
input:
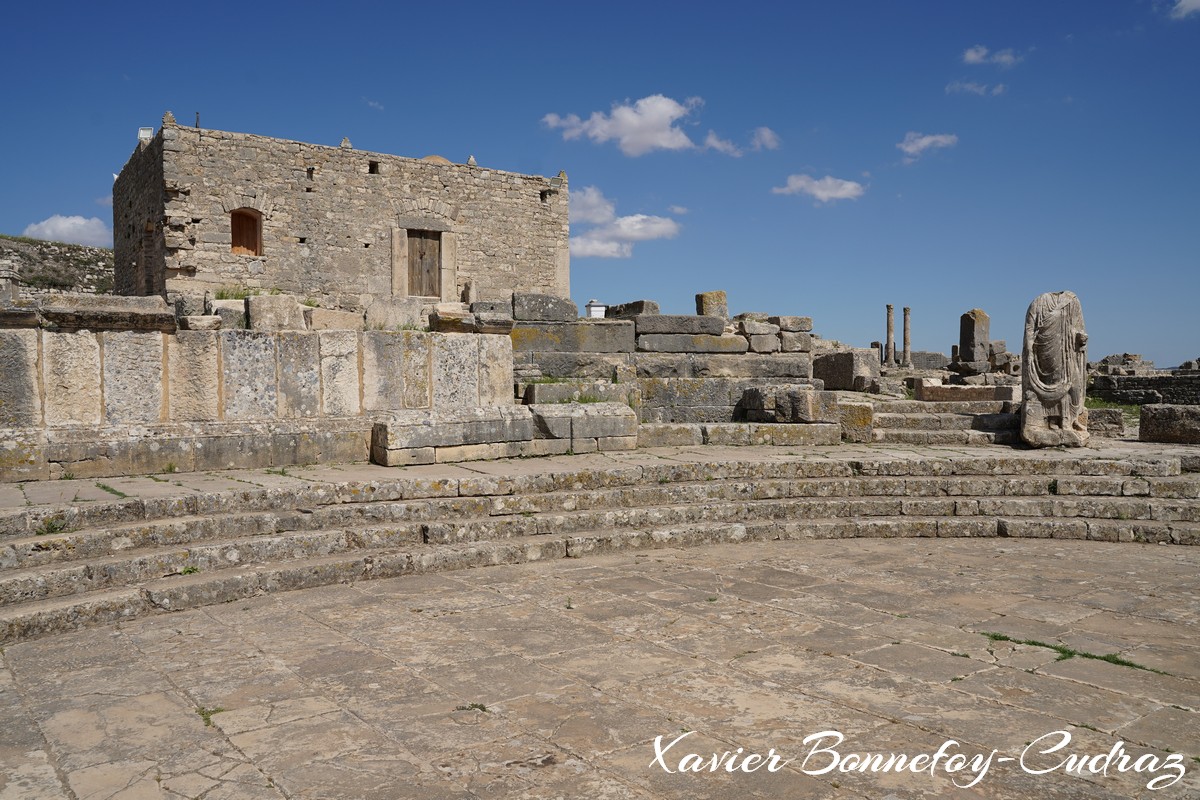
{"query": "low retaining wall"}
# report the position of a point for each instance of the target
(1168, 423)
(122, 402)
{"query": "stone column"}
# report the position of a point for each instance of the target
(889, 353)
(907, 337)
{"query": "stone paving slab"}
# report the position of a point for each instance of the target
(553, 680)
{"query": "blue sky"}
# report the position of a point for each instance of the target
(809, 158)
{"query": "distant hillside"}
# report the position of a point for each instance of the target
(47, 267)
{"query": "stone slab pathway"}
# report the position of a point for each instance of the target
(553, 680)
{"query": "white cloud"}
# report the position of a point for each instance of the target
(106, 201)
(646, 125)
(823, 190)
(72, 230)
(589, 205)
(678, 211)
(1185, 8)
(714, 142)
(981, 55)
(974, 87)
(613, 236)
(373, 104)
(915, 144)
(764, 139)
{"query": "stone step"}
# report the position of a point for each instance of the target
(941, 407)
(963, 437)
(178, 592)
(946, 422)
(647, 508)
(131, 539)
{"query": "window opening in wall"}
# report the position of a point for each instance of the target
(373, 167)
(303, 239)
(245, 225)
(545, 193)
(310, 172)
(308, 188)
(424, 263)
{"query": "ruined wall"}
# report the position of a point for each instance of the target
(123, 402)
(1178, 389)
(138, 208)
(335, 220)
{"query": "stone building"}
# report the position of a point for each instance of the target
(197, 209)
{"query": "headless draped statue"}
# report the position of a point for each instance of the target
(1054, 372)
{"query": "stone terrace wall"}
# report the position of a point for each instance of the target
(1177, 389)
(127, 402)
(331, 217)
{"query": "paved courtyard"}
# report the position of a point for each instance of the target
(554, 680)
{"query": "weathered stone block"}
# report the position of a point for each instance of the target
(792, 324)
(452, 321)
(248, 366)
(192, 384)
(414, 429)
(383, 370)
(328, 319)
(232, 313)
(495, 370)
(1109, 422)
(592, 336)
(839, 370)
(492, 307)
(669, 435)
(393, 313)
(857, 421)
(764, 343)
(795, 342)
(274, 312)
(713, 304)
(795, 366)
(71, 378)
(497, 322)
(604, 420)
(1170, 423)
(299, 374)
(76, 312)
(339, 373)
(455, 371)
(531, 307)
(418, 368)
(200, 323)
(133, 373)
(663, 365)
(632, 309)
(753, 327)
(574, 365)
(606, 444)
(807, 406)
(20, 392)
(678, 323)
(699, 343)
(974, 330)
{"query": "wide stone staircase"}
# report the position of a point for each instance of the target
(952, 422)
(71, 565)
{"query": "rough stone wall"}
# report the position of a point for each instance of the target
(138, 209)
(334, 219)
(1147, 389)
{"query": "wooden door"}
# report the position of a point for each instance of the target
(424, 263)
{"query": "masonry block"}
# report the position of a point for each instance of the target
(764, 343)
(299, 374)
(699, 343)
(248, 367)
(532, 307)
(20, 390)
(192, 383)
(232, 313)
(274, 312)
(1170, 423)
(495, 370)
(790, 342)
(455, 371)
(71, 378)
(713, 304)
(133, 376)
(328, 319)
(383, 370)
(678, 323)
(792, 324)
(591, 336)
(339, 373)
